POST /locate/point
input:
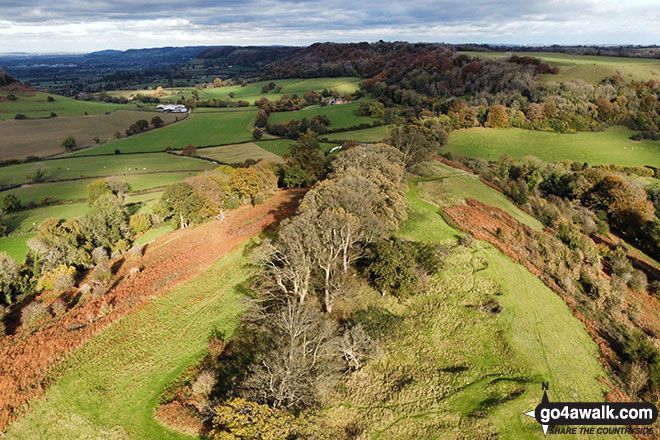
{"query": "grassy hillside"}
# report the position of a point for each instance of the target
(81, 167)
(282, 146)
(110, 387)
(29, 219)
(592, 69)
(610, 146)
(15, 246)
(341, 116)
(198, 129)
(36, 105)
(460, 372)
(43, 137)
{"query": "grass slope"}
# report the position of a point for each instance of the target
(28, 220)
(110, 387)
(282, 146)
(35, 105)
(81, 167)
(43, 137)
(198, 129)
(15, 246)
(341, 115)
(610, 146)
(474, 374)
(375, 134)
(592, 69)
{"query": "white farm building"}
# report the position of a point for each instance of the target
(172, 108)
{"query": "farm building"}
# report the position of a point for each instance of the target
(172, 108)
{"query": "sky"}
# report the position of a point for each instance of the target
(45, 26)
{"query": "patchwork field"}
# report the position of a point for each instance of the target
(467, 373)
(341, 116)
(198, 129)
(610, 146)
(35, 104)
(43, 137)
(592, 69)
(252, 92)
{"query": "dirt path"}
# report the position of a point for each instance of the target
(27, 358)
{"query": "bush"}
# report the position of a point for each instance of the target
(140, 223)
(60, 278)
(101, 272)
(466, 240)
(58, 306)
(204, 383)
(64, 280)
(392, 268)
(99, 255)
(638, 281)
(33, 313)
(120, 246)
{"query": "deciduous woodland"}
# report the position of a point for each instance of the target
(340, 241)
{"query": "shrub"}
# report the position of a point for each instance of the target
(64, 280)
(140, 223)
(189, 150)
(242, 419)
(638, 281)
(120, 246)
(85, 289)
(60, 278)
(392, 268)
(33, 312)
(99, 255)
(466, 240)
(57, 306)
(204, 383)
(101, 272)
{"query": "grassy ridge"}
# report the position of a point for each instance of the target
(125, 165)
(198, 129)
(610, 146)
(592, 69)
(110, 387)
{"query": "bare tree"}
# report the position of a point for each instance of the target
(356, 346)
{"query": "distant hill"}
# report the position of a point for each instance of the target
(5, 78)
(248, 55)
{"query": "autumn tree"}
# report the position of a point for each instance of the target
(241, 419)
(96, 189)
(217, 82)
(306, 154)
(107, 221)
(497, 117)
(180, 202)
(11, 203)
(157, 122)
(9, 277)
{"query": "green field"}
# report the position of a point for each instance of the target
(15, 246)
(252, 92)
(238, 153)
(282, 146)
(198, 129)
(341, 116)
(467, 373)
(81, 167)
(592, 69)
(109, 388)
(29, 219)
(43, 137)
(35, 105)
(77, 189)
(376, 134)
(610, 146)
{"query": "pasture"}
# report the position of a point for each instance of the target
(468, 371)
(369, 135)
(77, 189)
(16, 245)
(84, 167)
(610, 146)
(282, 146)
(109, 388)
(199, 129)
(43, 137)
(238, 153)
(341, 115)
(34, 104)
(592, 69)
(21, 222)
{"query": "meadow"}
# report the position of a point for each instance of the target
(592, 69)
(82, 167)
(463, 372)
(16, 245)
(110, 387)
(609, 146)
(199, 129)
(43, 137)
(21, 222)
(341, 115)
(34, 104)
(282, 146)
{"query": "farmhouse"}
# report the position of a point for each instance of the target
(172, 108)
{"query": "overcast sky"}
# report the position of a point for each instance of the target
(83, 26)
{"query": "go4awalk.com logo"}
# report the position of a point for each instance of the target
(582, 417)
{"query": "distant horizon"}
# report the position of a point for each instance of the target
(71, 26)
